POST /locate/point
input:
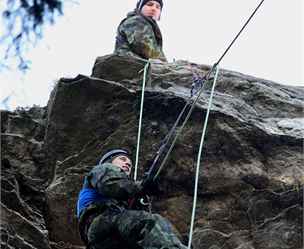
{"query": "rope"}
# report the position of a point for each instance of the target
(237, 36)
(140, 118)
(199, 158)
(206, 77)
(183, 125)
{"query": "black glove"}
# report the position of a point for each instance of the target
(150, 187)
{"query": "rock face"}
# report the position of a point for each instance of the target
(252, 173)
(23, 180)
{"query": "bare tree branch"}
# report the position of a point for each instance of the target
(23, 22)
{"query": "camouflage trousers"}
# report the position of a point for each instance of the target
(132, 229)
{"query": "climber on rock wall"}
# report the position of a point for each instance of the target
(138, 35)
(105, 216)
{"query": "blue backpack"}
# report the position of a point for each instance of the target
(88, 196)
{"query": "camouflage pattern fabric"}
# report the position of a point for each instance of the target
(113, 183)
(135, 228)
(139, 36)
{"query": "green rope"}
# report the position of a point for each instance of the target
(140, 117)
(199, 158)
(180, 129)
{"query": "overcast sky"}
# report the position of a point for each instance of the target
(196, 30)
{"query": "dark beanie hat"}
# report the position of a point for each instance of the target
(114, 153)
(141, 3)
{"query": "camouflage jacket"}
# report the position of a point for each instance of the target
(112, 184)
(139, 36)
(106, 187)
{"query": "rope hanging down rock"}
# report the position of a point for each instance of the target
(140, 117)
(191, 103)
(199, 158)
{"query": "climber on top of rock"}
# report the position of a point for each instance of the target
(104, 212)
(138, 35)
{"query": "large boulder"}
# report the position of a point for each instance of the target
(250, 184)
(250, 193)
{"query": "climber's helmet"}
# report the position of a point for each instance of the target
(120, 158)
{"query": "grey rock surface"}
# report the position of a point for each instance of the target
(23, 179)
(252, 174)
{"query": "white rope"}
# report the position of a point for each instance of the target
(199, 159)
(140, 117)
